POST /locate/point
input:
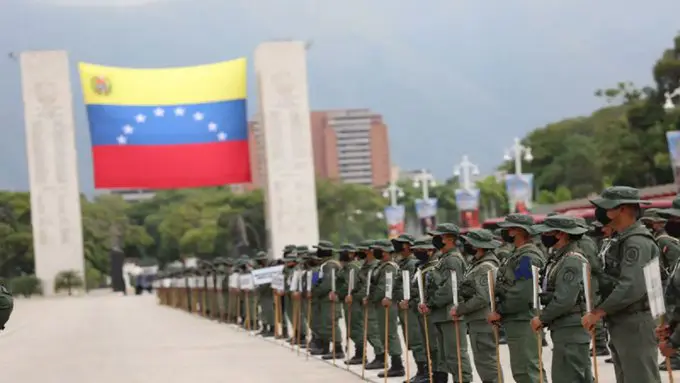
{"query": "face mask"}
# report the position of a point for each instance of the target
(469, 250)
(378, 254)
(344, 256)
(398, 246)
(601, 216)
(673, 229)
(438, 242)
(548, 240)
(361, 255)
(506, 236)
(421, 256)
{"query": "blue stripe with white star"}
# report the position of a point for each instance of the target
(168, 125)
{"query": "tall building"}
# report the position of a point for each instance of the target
(349, 145)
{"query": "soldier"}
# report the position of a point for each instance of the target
(382, 251)
(402, 245)
(475, 302)
(321, 293)
(289, 259)
(355, 329)
(502, 253)
(6, 305)
(300, 295)
(669, 246)
(373, 337)
(425, 252)
(514, 291)
(265, 298)
(439, 302)
(624, 305)
(670, 249)
(563, 299)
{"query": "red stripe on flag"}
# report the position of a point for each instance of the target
(171, 166)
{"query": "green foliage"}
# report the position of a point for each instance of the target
(622, 143)
(25, 285)
(68, 280)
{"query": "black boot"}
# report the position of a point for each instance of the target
(358, 357)
(600, 351)
(421, 375)
(396, 369)
(335, 353)
(314, 344)
(323, 350)
(440, 377)
(377, 364)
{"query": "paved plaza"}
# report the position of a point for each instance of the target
(111, 338)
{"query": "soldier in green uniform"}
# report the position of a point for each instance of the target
(289, 259)
(300, 296)
(386, 309)
(368, 263)
(355, 329)
(425, 252)
(6, 305)
(670, 249)
(439, 302)
(402, 245)
(514, 302)
(564, 300)
(475, 302)
(591, 251)
(223, 280)
(321, 294)
(624, 305)
(503, 252)
(265, 297)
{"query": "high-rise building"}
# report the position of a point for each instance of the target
(349, 145)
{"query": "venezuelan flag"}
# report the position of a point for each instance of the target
(168, 128)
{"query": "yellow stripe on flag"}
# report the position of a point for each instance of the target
(224, 81)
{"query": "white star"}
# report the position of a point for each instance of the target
(122, 140)
(198, 116)
(128, 129)
(140, 118)
(212, 127)
(221, 136)
(179, 111)
(159, 112)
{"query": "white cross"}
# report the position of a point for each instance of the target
(198, 116)
(212, 127)
(179, 112)
(122, 140)
(159, 112)
(140, 118)
(221, 136)
(128, 129)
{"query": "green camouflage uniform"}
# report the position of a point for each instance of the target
(326, 309)
(564, 302)
(359, 293)
(514, 295)
(353, 311)
(475, 303)
(6, 306)
(426, 269)
(624, 294)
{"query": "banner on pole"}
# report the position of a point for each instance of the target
(426, 210)
(395, 217)
(520, 189)
(673, 138)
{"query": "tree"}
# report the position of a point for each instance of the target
(68, 280)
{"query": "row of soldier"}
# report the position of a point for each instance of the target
(477, 284)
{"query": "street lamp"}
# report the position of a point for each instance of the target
(516, 152)
(669, 105)
(424, 180)
(393, 192)
(465, 170)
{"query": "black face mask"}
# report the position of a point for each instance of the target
(438, 242)
(601, 216)
(378, 254)
(469, 250)
(506, 236)
(361, 254)
(548, 240)
(398, 246)
(421, 256)
(344, 256)
(673, 229)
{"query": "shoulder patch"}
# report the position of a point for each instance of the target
(569, 274)
(484, 281)
(632, 255)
